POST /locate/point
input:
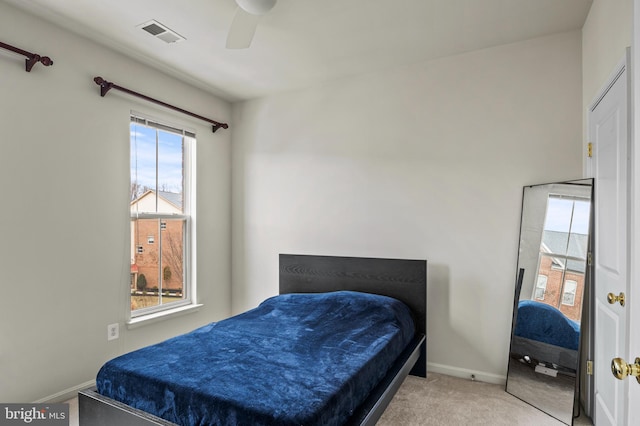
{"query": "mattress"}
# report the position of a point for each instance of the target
(303, 359)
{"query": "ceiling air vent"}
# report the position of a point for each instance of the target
(160, 31)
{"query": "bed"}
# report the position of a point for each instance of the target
(545, 334)
(343, 380)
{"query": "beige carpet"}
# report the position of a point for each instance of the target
(444, 400)
(555, 394)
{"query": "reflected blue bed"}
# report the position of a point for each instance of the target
(545, 335)
(544, 323)
(305, 359)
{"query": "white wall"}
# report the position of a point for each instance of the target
(606, 34)
(426, 161)
(64, 221)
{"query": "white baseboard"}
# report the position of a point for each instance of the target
(464, 373)
(66, 394)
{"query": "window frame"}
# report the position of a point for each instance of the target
(188, 217)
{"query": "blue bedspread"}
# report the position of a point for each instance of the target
(303, 359)
(544, 323)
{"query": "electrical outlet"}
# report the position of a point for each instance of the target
(113, 331)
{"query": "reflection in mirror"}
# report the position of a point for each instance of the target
(553, 280)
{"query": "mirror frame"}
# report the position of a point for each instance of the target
(582, 382)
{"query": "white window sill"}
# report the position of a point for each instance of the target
(161, 316)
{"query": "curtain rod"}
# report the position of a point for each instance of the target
(32, 58)
(105, 86)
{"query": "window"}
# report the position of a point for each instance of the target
(541, 287)
(161, 208)
(569, 293)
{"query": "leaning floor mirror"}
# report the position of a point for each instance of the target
(553, 281)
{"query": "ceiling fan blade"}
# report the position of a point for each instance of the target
(256, 7)
(242, 29)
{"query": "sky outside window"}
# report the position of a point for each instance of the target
(559, 215)
(167, 160)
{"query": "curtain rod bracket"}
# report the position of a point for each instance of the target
(105, 86)
(32, 58)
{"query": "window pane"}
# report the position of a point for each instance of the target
(566, 227)
(172, 259)
(145, 282)
(579, 237)
(541, 287)
(569, 294)
(143, 165)
(156, 170)
(581, 215)
(559, 211)
(157, 271)
(170, 177)
(552, 268)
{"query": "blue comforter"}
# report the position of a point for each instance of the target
(544, 323)
(297, 359)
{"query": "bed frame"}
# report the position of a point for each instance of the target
(405, 280)
(544, 352)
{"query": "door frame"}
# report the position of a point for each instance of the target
(633, 315)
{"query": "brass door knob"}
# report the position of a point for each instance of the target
(621, 369)
(612, 298)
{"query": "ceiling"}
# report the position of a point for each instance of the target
(301, 43)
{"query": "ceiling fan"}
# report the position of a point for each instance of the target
(245, 22)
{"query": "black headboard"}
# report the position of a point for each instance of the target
(402, 279)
